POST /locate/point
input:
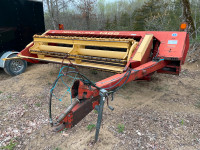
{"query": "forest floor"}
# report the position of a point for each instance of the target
(163, 113)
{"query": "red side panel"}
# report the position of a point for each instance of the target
(25, 52)
(173, 45)
(186, 48)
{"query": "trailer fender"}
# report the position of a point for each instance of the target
(6, 55)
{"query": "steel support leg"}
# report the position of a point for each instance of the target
(99, 108)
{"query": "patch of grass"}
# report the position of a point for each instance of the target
(65, 129)
(128, 97)
(51, 73)
(57, 148)
(1, 92)
(95, 111)
(93, 72)
(140, 103)
(158, 88)
(38, 104)
(10, 146)
(40, 96)
(91, 126)
(9, 96)
(161, 88)
(26, 106)
(197, 105)
(182, 122)
(120, 128)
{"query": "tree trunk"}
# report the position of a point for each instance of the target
(87, 20)
(51, 13)
(187, 15)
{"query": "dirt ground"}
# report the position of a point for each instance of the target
(163, 113)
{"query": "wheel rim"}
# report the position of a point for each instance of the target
(16, 66)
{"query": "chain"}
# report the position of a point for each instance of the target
(86, 38)
(61, 55)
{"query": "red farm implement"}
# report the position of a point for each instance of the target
(131, 55)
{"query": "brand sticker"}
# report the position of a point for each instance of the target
(172, 42)
(174, 34)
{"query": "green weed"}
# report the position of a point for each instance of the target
(40, 96)
(94, 72)
(90, 127)
(197, 105)
(158, 88)
(9, 96)
(10, 146)
(95, 111)
(65, 129)
(1, 92)
(128, 97)
(182, 122)
(120, 128)
(51, 73)
(26, 106)
(38, 104)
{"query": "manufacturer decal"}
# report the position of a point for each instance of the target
(172, 42)
(174, 34)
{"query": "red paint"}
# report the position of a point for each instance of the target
(166, 50)
(172, 46)
(95, 103)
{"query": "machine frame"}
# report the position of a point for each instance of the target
(156, 51)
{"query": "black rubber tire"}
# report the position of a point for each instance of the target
(20, 65)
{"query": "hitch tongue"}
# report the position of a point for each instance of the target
(99, 108)
(59, 125)
(59, 128)
(64, 114)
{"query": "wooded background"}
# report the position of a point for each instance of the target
(132, 15)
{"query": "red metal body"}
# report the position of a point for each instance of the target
(169, 50)
(90, 95)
